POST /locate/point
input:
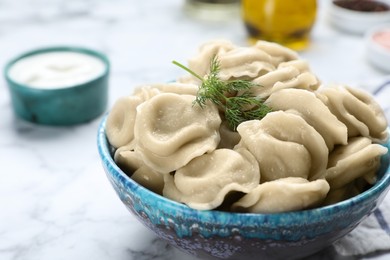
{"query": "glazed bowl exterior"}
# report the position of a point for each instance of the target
(76, 104)
(216, 234)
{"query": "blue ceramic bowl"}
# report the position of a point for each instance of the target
(216, 234)
(60, 106)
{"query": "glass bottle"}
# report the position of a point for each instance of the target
(213, 10)
(287, 22)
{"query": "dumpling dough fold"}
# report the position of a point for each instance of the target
(283, 195)
(360, 157)
(131, 163)
(234, 62)
(121, 119)
(310, 108)
(285, 145)
(357, 110)
(284, 77)
(246, 63)
(229, 138)
(200, 63)
(278, 52)
(170, 131)
(240, 62)
(205, 181)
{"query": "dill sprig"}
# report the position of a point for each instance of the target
(233, 97)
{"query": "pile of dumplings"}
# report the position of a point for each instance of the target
(318, 146)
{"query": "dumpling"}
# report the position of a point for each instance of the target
(149, 179)
(283, 195)
(282, 78)
(127, 159)
(235, 62)
(146, 92)
(299, 64)
(131, 163)
(357, 110)
(200, 64)
(336, 195)
(348, 162)
(240, 62)
(120, 121)
(229, 138)
(205, 181)
(244, 63)
(278, 52)
(177, 88)
(270, 66)
(170, 131)
(310, 108)
(285, 145)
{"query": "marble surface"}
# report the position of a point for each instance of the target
(55, 201)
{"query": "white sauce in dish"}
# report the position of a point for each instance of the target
(56, 69)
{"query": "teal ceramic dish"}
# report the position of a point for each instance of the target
(69, 105)
(217, 234)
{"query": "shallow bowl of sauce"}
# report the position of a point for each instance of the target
(58, 85)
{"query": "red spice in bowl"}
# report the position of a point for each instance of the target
(378, 47)
(382, 38)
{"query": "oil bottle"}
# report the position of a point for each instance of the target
(287, 22)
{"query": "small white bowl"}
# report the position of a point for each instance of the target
(356, 22)
(378, 47)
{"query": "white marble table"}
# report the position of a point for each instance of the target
(55, 201)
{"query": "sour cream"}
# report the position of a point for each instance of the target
(56, 69)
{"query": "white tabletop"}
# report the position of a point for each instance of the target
(55, 200)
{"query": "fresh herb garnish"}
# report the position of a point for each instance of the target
(233, 97)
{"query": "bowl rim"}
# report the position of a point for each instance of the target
(359, 14)
(57, 48)
(279, 218)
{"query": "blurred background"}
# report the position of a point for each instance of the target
(144, 36)
(55, 201)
